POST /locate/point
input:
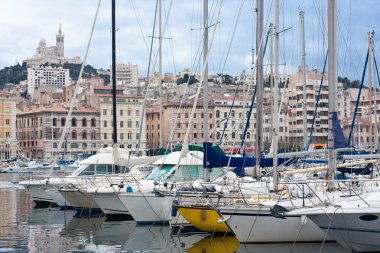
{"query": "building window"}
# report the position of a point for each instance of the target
(84, 122)
(104, 111)
(121, 145)
(129, 112)
(121, 112)
(121, 136)
(74, 135)
(93, 122)
(93, 135)
(7, 110)
(129, 136)
(105, 136)
(137, 112)
(54, 121)
(129, 123)
(105, 123)
(7, 122)
(84, 146)
(84, 135)
(74, 122)
(137, 124)
(121, 123)
(63, 122)
(186, 115)
(195, 115)
(74, 145)
(137, 136)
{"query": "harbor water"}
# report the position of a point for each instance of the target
(24, 228)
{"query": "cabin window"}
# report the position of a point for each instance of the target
(101, 169)
(89, 171)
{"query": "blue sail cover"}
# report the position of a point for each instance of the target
(214, 158)
(339, 140)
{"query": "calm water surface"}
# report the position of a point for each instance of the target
(26, 229)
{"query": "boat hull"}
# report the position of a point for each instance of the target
(148, 208)
(80, 199)
(356, 231)
(255, 224)
(204, 218)
(109, 202)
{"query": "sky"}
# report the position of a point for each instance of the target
(23, 23)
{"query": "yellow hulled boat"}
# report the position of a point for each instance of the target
(204, 218)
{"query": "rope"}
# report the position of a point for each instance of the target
(68, 118)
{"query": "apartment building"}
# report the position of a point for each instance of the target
(177, 117)
(39, 130)
(8, 141)
(127, 74)
(130, 121)
(47, 76)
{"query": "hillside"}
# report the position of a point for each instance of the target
(15, 74)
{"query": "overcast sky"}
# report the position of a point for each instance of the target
(23, 23)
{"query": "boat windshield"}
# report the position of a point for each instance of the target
(158, 172)
(102, 169)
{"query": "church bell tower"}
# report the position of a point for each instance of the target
(60, 43)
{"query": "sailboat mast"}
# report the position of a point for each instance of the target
(370, 59)
(160, 144)
(275, 96)
(206, 176)
(114, 123)
(376, 129)
(259, 86)
(333, 94)
(303, 56)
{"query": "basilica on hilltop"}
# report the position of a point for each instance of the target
(53, 54)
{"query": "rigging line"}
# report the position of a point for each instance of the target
(236, 22)
(139, 22)
(316, 108)
(155, 62)
(147, 77)
(354, 48)
(357, 100)
(229, 114)
(185, 144)
(356, 67)
(195, 64)
(68, 118)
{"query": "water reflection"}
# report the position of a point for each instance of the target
(329, 247)
(227, 244)
(15, 205)
(24, 229)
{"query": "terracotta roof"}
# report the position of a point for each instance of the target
(7, 94)
(108, 87)
(62, 107)
(117, 95)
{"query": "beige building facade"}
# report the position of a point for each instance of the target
(39, 129)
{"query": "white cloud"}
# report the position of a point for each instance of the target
(23, 23)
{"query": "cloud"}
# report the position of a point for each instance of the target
(23, 23)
